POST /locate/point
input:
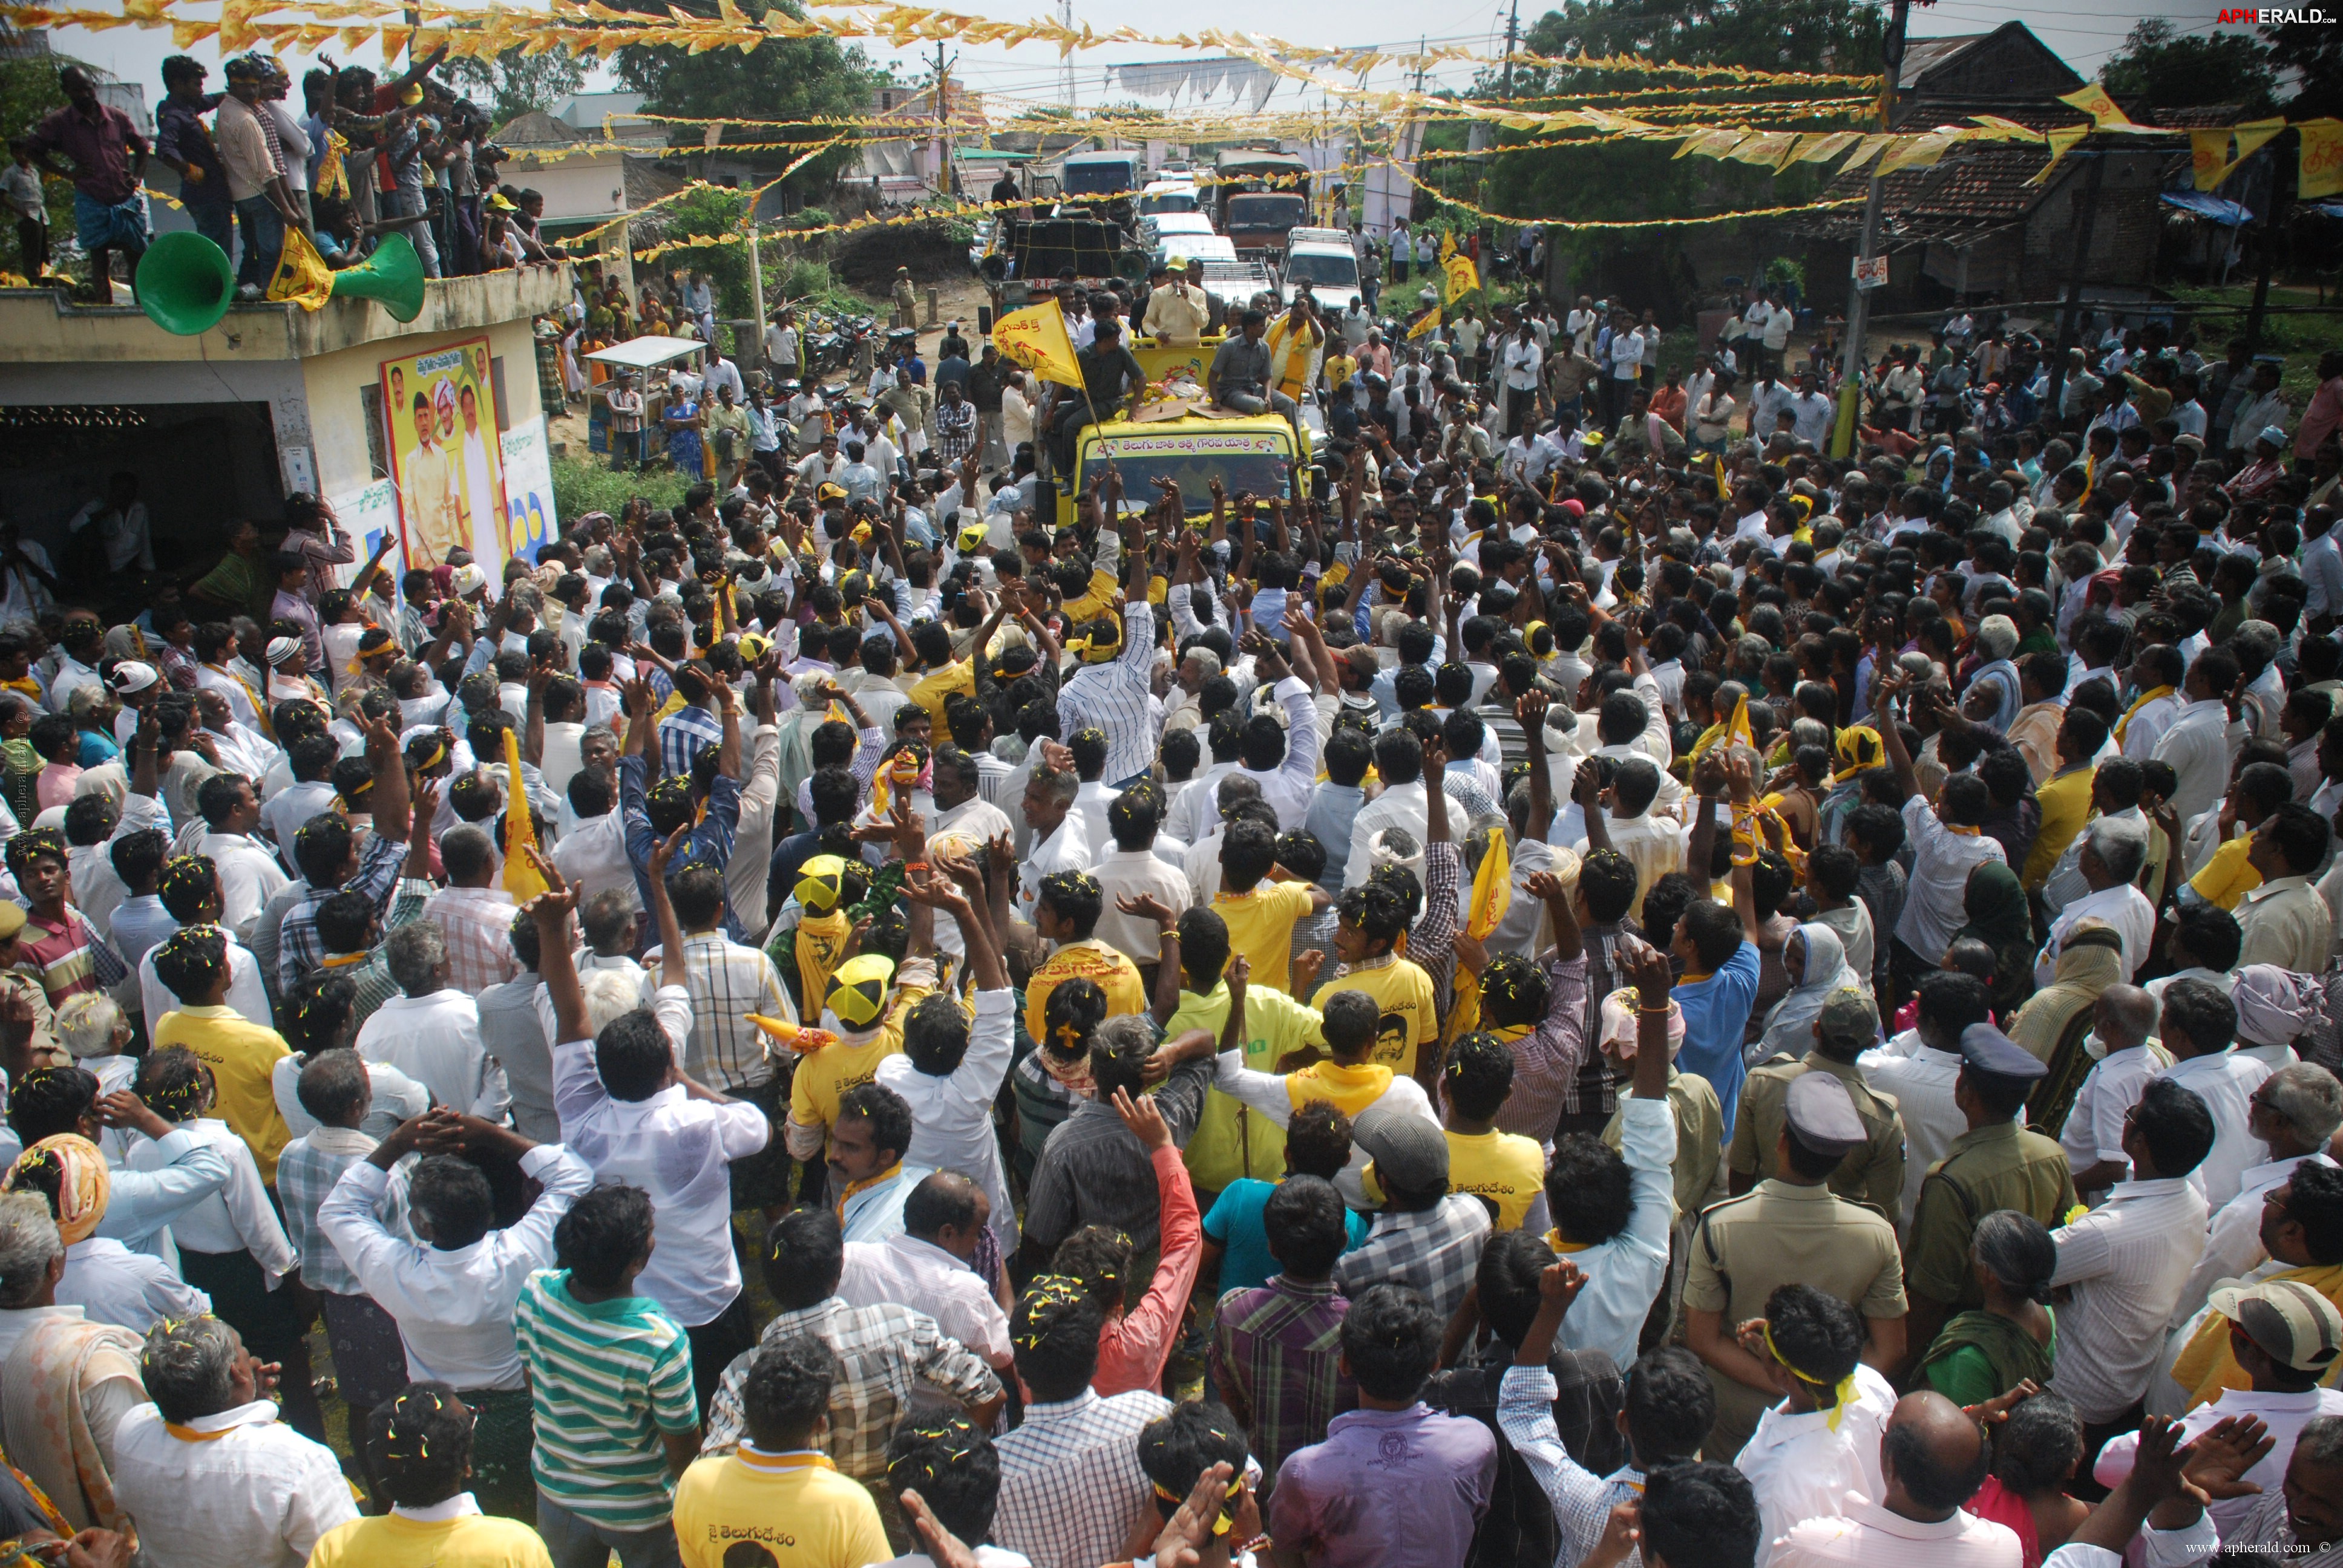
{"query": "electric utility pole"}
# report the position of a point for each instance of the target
(1513, 34)
(1858, 304)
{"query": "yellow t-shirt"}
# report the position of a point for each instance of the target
(2227, 876)
(1403, 993)
(1504, 1167)
(824, 1076)
(242, 1055)
(2065, 802)
(1090, 959)
(1232, 1142)
(931, 689)
(1096, 601)
(475, 1540)
(796, 1506)
(1261, 927)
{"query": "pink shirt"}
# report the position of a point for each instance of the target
(1133, 1348)
(55, 786)
(2326, 411)
(1867, 1535)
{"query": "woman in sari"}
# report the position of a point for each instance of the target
(2055, 1019)
(1816, 960)
(1987, 1350)
(1995, 904)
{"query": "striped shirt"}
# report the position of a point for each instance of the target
(683, 735)
(68, 957)
(298, 949)
(605, 1379)
(479, 925)
(306, 1173)
(1114, 698)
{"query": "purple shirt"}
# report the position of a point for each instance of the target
(1387, 1489)
(100, 150)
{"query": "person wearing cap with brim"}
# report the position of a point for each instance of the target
(27, 1023)
(1790, 1229)
(1997, 1164)
(2287, 1338)
(1846, 1027)
(137, 686)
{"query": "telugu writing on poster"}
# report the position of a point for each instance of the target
(446, 461)
(529, 490)
(1196, 444)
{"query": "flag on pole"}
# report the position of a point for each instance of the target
(1036, 338)
(1429, 323)
(521, 880)
(1464, 277)
(302, 276)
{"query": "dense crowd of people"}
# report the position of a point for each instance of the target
(1539, 994)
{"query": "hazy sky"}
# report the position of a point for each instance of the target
(2084, 34)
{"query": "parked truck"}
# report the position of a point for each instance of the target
(1259, 198)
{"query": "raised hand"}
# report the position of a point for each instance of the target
(664, 850)
(1146, 1122)
(1147, 906)
(1305, 971)
(2216, 1462)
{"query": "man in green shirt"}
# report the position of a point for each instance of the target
(237, 585)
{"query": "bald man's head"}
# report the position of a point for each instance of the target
(2123, 1017)
(1934, 1457)
(947, 1209)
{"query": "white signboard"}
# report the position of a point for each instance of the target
(529, 488)
(368, 514)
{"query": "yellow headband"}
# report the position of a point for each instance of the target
(1831, 1398)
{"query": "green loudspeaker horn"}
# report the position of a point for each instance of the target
(392, 276)
(185, 283)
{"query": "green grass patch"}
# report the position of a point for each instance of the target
(2301, 338)
(590, 485)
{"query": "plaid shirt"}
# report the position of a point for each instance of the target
(68, 957)
(1071, 1485)
(369, 971)
(1434, 1251)
(299, 949)
(955, 430)
(1276, 1355)
(1520, 1529)
(1548, 1060)
(683, 735)
(729, 981)
(883, 1353)
(710, 843)
(479, 923)
(1582, 1500)
(306, 1173)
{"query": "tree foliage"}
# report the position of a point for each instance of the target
(2173, 71)
(2312, 54)
(515, 83)
(1763, 35)
(781, 79)
(28, 94)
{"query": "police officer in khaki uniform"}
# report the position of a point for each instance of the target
(1996, 1164)
(1872, 1173)
(1790, 1229)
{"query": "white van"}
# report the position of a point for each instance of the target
(1324, 259)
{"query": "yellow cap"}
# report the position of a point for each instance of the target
(857, 988)
(820, 881)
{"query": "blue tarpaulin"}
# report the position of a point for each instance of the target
(2218, 209)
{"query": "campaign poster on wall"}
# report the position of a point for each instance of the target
(529, 490)
(445, 459)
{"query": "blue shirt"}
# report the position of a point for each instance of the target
(1235, 1225)
(1716, 1015)
(95, 751)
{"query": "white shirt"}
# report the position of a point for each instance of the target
(2225, 1082)
(1399, 806)
(1866, 1534)
(454, 1308)
(2284, 1414)
(907, 1271)
(1934, 908)
(247, 994)
(592, 857)
(258, 1497)
(1289, 786)
(2198, 745)
(951, 1116)
(237, 1218)
(2123, 908)
(2127, 1260)
(135, 1291)
(1127, 873)
(1922, 1086)
(249, 876)
(1065, 849)
(396, 1097)
(2149, 724)
(677, 1148)
(2233, 1242)
(2094, 1130)
(287, 810)
(435, 1041)
(1801, 1469)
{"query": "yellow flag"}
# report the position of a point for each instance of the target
(2061, 138)
(1738, 733)
(2322, 157)
(1430, 323)
(1464, 277)
(2209, 156)
(521, 880)
(302, 276)
(1036, 339)
(2105, 111)
(1447, 247)
(1493, 889)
